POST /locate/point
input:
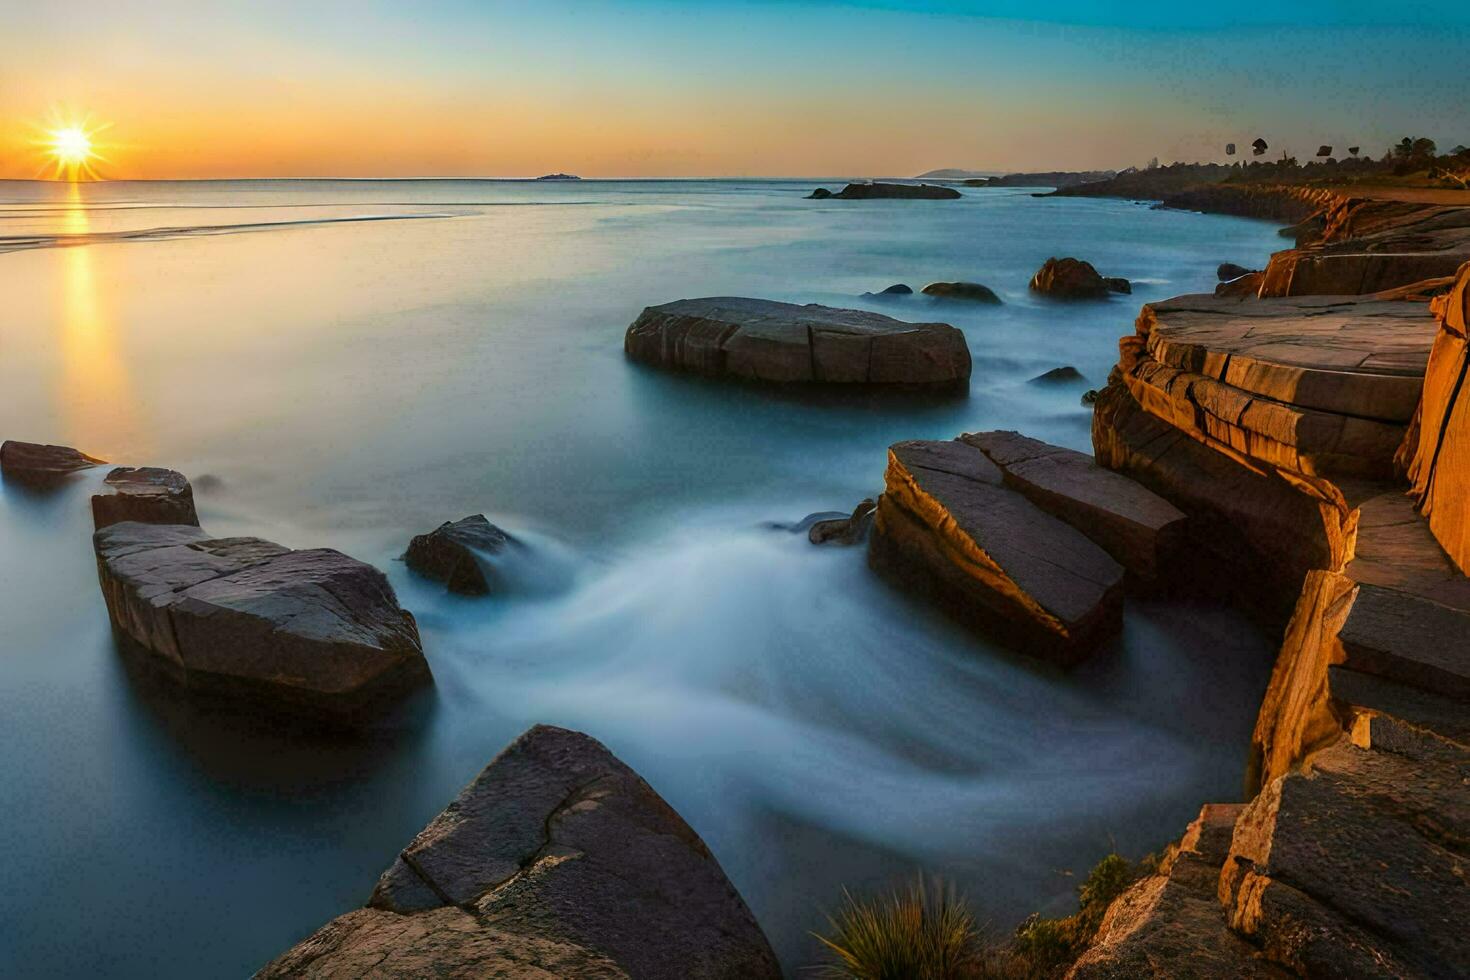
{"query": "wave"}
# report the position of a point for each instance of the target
(16, 243)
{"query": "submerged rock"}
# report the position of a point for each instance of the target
(41, 467)
(148, 494)
(947, 528)
(242, 617)
(449, 553)
(1058, 375)
(897, 289)
(557, 861)
(1071, 278)
(844, 530)
(867, 190)
(971, 291)
(762, 340)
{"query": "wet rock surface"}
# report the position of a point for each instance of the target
(451, 554)
(557, 861)
(762, 340)
(41, 467)
(312, 632)
(148, 494)
(948, 529)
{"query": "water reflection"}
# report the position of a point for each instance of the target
(94, 393)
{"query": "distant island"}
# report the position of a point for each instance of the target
(559, 177)
(952, 173)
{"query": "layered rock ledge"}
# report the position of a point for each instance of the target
(557, 861)
(762, 340)
(947, 528)
(312, 631)
(147, 494)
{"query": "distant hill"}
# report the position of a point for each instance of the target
(954, 174)
(1051, 178)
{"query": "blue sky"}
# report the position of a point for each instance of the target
(204, 88)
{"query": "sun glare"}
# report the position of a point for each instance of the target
(69, 146)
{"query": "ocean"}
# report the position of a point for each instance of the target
(351, 363)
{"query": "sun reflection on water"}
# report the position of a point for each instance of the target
(94, 392)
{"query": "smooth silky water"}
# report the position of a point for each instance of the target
(355, 362)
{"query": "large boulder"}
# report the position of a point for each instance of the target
(1071, 278)
(1141, 530)
(311, 631)
(762, 340)
(972, 292)
(948, 529)
(41, 467)
(868, 190)
(147, 494)
(557, 861)
(451, 553)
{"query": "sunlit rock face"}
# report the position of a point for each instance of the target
(312, 632)
(1070, 278)
(948, 529)
(557, 861)
(761, 340)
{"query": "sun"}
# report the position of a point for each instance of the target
(68, 144)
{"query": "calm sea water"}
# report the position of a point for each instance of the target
(358, 361)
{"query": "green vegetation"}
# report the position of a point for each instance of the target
(927, 932)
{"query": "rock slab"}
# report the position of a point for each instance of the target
(147, 494)
(762, 340)
(948, 529)
(311, 631)
(557, 861)
(1141, 530)
(450, 553)
(41, 467)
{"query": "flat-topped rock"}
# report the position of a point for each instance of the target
(1170, 924)
(872, 189)
(1070, 278)
(147, 494)
(311, 631)
(451, 553)
(41, 467)
(762, 340)
(1333, 354)
(1141, 530)
(557, 861)
(1356, 867)
(947, 528)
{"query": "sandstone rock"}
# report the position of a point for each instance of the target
(148, 494)
(450, 553)
(1356, 867)
(557, 861)
(1142, 531)
(844, 530)
(1170, 924)
(1229, 270)
(311, 631)
(1058, 375)
(1255, 532)
(969, 291)
(868, 190)
(1074, 279)
(41, 467)
(761, 340)
(1439, 459)
(948, 529)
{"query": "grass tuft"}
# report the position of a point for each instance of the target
(923, 932)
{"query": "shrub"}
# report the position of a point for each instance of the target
(1047, 946)
(924, 932)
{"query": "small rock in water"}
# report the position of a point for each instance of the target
(1089, 397)
(972, 291)
(448, 553)
(1058, 375)
(208, 483)
(820, 194)
(147, 494)
(1071, 278)
(1229, 271)
(844, 530)
(41, 467)
(805, 523)
(1117, 284)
